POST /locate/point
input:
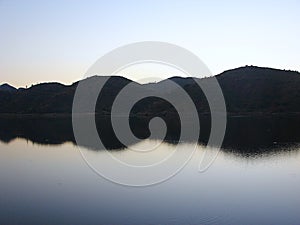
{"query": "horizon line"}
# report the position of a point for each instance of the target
(98, 75)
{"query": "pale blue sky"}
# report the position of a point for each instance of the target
(58, 40)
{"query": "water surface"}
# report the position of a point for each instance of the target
(52, 184)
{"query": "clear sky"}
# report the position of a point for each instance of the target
(58, 40)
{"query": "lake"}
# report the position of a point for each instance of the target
(45, 180)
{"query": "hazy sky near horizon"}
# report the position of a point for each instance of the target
(59, 40)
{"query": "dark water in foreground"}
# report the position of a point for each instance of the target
(254, 180)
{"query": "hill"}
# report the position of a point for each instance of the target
(7, 88)
(255, 89)
(247, 89)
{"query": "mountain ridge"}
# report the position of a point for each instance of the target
(7, 87)
(247, 89)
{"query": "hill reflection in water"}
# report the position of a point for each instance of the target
(245, 135)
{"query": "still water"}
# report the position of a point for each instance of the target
(52, 184)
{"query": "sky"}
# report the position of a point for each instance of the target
(43, 41)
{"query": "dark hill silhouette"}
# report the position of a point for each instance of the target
(247, 89)
(255, 89)
(7, 88)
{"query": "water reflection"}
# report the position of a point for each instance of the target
(51, 184)
(244, 135)
(254, 180)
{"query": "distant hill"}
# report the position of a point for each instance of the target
(247, 89)
(7, 88)
(255, 89)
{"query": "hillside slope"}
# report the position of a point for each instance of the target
(246, 90)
